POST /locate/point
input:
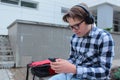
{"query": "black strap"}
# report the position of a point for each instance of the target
(27, 75)
(33, 77)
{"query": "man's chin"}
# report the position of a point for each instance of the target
(79, 35)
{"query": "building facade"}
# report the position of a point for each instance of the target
(106, 12)
(33, 10)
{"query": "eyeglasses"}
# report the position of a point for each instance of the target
(76, 26)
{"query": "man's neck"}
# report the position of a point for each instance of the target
(88, 30)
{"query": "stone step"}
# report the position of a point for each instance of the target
(6, 53)
(6, 64)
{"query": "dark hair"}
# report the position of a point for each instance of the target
(76, 12)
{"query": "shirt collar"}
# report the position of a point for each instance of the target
(92, 31)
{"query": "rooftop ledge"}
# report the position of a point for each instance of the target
(36, 23)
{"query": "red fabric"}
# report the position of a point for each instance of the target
(37, 66)
(52, 72)
(40, 62)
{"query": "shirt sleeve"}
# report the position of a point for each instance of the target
(106, 51)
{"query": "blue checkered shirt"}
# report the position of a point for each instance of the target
(92, 55)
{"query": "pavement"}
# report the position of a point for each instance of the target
(5, 74)
(116, 63)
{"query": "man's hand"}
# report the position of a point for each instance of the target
(63, 66)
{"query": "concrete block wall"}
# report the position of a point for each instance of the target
(116, 37)
(32, 41)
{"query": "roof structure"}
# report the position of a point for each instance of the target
(92, 4)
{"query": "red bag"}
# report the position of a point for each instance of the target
(40, 69)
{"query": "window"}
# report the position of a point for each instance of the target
(95, 18)
(64, 10)
(116, 25)
(21, 3)
(11, 1)
(28, 4)
(94, 14)
(116, 28)
(116, 21)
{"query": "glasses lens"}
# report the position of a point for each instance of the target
(76, 26)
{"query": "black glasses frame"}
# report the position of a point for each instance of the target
(76, 26)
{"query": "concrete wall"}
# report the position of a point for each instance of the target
(32, 41)
(14, 41)
(116, 37)
(105, 16)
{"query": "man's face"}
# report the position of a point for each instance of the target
(78, 26)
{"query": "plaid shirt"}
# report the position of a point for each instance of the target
(92, 55)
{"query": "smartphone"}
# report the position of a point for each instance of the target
(52, 59)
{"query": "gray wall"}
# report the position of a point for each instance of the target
(105, 16)
(13, 41)
(116, 37)
(37, 41)
(32, 41)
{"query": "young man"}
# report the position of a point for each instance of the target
(92, 49)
